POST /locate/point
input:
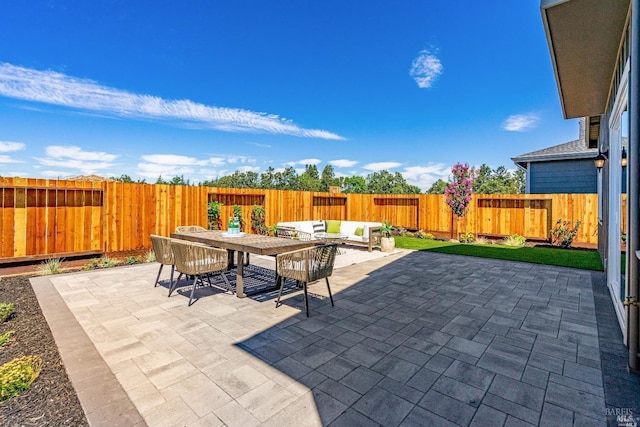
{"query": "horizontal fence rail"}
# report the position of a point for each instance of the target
(42, 218)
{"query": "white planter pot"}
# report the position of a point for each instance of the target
(387, 244)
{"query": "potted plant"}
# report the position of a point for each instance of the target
(213, 213)
(387, 242)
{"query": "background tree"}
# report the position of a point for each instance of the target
(268, 178)
(310, 179)
(287, 179)
(497, 181)
(384, 182)
(122, 178)
(179, 180)
(353, 184)
(437, 187)
(328, 178)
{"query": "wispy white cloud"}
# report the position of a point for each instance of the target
(381, 166)
(425, 176)
(77, 153)
(55, 88)
(240, 159)
(72, 157)
(55, 174)
(249, 169)
(258, 144)
(343, 163)
(8, 146)
(6, 159)
(426, 68)
(170, 165)
(520, 122)
(217, 161)
(304, 162)
(173, 159)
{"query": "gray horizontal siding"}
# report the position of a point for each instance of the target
(564, 176)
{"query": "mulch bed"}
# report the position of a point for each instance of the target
(51, 400)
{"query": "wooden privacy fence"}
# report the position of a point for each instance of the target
(42, 218)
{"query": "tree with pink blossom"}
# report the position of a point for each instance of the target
(458, 192)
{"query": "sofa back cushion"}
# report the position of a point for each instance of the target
(319, 226)
(333, 226)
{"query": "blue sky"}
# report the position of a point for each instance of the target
(205, 88)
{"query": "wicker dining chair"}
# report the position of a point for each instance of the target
(199, 261)
(162, 249)
(189, 229)
(306, 266)
(292, 233)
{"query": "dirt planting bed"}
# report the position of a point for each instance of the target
(51, 400)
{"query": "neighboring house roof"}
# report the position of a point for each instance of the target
(571, 150)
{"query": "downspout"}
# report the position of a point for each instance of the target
(633, 194)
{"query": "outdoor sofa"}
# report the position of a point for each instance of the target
(357, 232)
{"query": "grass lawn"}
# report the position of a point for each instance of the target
(585, 259)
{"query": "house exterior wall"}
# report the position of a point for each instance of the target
(563, 176)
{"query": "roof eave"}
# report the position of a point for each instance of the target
(583, 38)
(556, 157)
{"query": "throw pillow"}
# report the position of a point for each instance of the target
(333, 226)
(319, 227)
(359, 231)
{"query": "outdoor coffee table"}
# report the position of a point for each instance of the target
(331, 238)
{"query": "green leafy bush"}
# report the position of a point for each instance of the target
(258, 225)
(514, 240)
(131, 260)
(213, 212)
(386, 229)
(6, 311)
(563, 234)
(50, 266)
(424, 235)
(106, 262)
(466, 237)
(149, 256)
(5, 338)
(18, 375)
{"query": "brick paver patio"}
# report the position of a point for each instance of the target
(414, 339)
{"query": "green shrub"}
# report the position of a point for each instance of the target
(93, 264)
(106, 262)
(5, 338)
(424, 235)
(6, 311)
(257, 220)
(401, 231)
(131, 260)
(50, 266)
(466, 237)
(482, 241)
(18, 375)
(562, 234)
(149, 256)
(514, 240)
(386, 229)
(213, 213)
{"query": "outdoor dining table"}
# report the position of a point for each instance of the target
(243, 243)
